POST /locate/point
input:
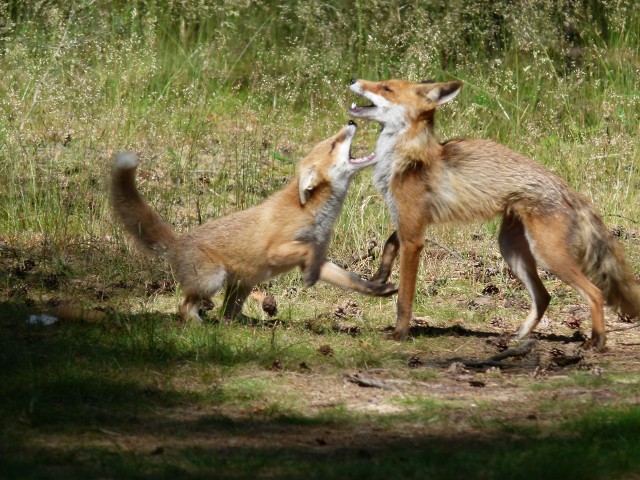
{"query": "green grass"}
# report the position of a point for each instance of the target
(77, 381)
(220, 100)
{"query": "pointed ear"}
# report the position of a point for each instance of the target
(443, 92)
(308, 181)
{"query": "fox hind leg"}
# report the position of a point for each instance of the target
(189, 310)
(516, 251)
(551, 248)
(198, 284)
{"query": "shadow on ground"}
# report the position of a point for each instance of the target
(85, 401)
(221, 447)
(461, 331)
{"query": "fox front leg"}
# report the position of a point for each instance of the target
(307, 256)
(311, 274)
(234, 298)
(333, 274)
(313, 264)
(389, 254)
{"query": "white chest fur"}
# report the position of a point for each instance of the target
(383, 171)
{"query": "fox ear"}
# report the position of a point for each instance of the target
(308, 181)
(443, 92)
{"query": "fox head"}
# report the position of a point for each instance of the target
(330, 165)
(397, 103)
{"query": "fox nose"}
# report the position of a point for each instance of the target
(351, 122)
(353, 80)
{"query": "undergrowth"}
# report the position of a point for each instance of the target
(220, 100)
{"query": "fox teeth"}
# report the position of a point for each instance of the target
(353, 105)
(368, 158)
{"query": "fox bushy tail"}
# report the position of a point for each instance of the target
(138, 218)
(603, 261)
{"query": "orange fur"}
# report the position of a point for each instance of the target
(545, 221)
(292, 228)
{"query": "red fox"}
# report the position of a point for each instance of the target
(544, 221)
(290, 229)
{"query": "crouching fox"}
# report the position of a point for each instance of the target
(292, 228)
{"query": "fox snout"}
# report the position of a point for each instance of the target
(351, 129)
(356, 87)
(346, 134)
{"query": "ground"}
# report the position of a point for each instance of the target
(315, 388)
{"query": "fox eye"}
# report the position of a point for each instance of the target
(386, 88)
(333, 145)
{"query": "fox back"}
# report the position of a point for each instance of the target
(545, 221)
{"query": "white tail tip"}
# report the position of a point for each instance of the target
(126, 160)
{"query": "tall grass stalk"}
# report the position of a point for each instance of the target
(222, 99)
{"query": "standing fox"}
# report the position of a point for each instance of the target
(290, 229)
(424, 181)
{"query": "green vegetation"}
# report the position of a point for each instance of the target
(220, 100)
(73, 398)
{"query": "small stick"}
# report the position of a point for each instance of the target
(628, 327)
(478, 364)
(371, 253)
(363, 381)
(519, 351)
(444, 247)
(496, 360)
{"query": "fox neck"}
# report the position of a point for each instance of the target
(325, 206)
(418, 145)
(397, 149)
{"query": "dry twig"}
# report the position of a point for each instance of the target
(494, 361)
(370, 382)
(627, 327)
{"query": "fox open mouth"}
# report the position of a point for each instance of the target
(363, 160)
(357, 108)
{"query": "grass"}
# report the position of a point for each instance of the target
(220, 100)
(83, 391)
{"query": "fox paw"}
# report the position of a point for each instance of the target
(386, 289)
(398, 335)
(310, 278)
(595, 343)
